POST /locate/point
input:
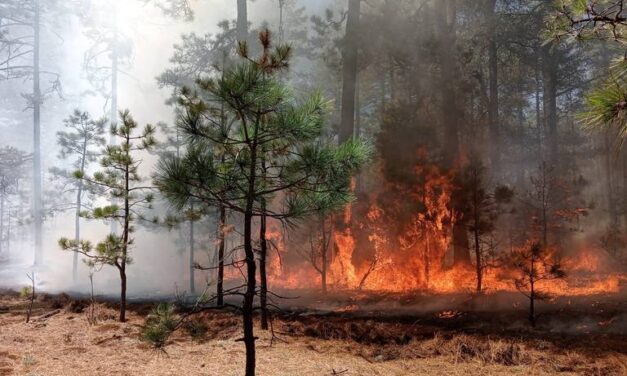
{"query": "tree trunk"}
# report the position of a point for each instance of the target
(113, 110)
(125, 236)
(77, 219)
(349, 75)
(251, 272)
(37, 195)
(192, 285)
(221, 236)
(478, 262)
(122, 270)
(77, 230)
(281, 23)
(263, 279)
(450, 116)
(549, 98)
(532, 308)
(249, 295)
(242, 21)
(493, 108)
(325, 261)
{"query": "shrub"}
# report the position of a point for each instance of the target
(160, 324)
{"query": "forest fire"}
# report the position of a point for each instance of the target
(367, 257)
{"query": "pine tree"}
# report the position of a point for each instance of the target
(120, 178)
(535, 263)
(264, 161)
(79, 144)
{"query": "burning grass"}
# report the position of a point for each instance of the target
(65, 343)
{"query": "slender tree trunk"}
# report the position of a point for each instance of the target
(350, 67)
(113, 110)
(281, 23)
(549, 78)
(450, 117)
(251, 272)
(79, 205)
(37, 199)
(532, 308)
(476, 220)
(249, 295)
(221, 238)
(325, 261)
(77, 230)
(125, 237)
(192, 285)
(263, 278)
(242, 20)
(493, 108)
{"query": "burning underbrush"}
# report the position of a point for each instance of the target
(418, 237)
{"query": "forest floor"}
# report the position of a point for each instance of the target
(60, 341)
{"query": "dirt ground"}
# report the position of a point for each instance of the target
(60, 341)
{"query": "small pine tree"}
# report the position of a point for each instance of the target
(120, 178)
(535, 263)
(79, 143)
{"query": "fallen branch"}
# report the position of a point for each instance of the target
(47, 315)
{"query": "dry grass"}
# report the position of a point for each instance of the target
(66, 344)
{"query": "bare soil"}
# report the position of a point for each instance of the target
(60, 341)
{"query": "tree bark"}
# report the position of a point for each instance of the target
(450, 117)
(125, 236)
(113, 110)
(221, 236)
(37, 199)
(325, 261)
(251, 272)
(549, 101)
(192, 285)
(79, 204)
(242, 21)
(263, 278)
(349, 75)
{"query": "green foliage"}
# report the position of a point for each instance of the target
(120, 179)
(606, 106)
(247, 125)
(26, 292)
(160, 324)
